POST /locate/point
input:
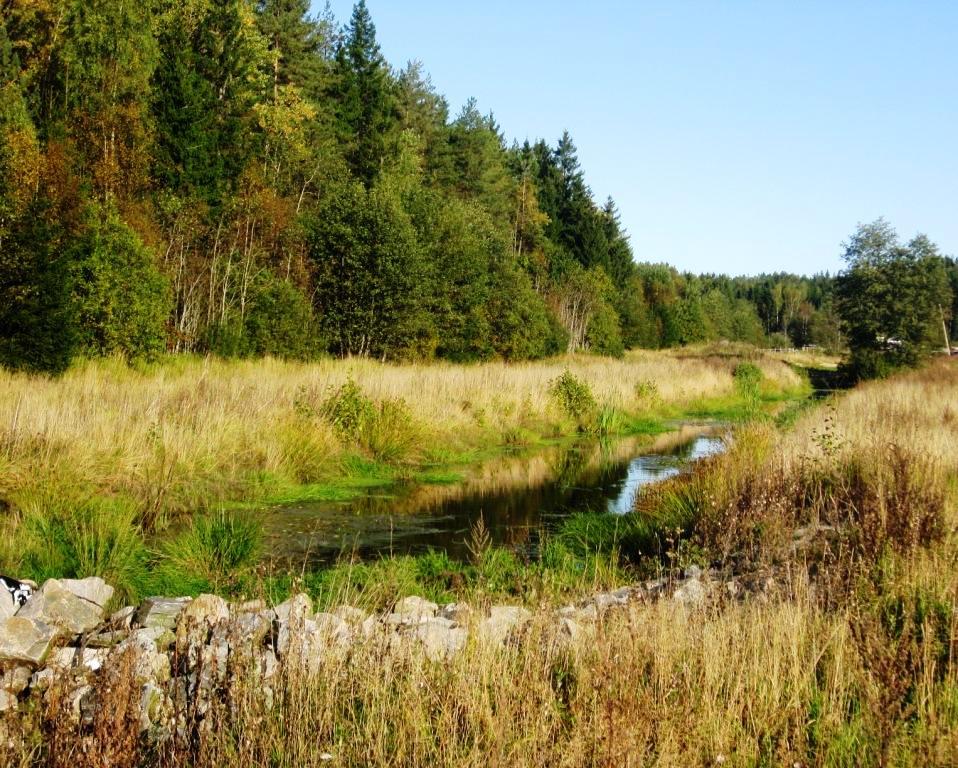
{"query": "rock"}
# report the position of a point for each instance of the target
(625, 593)
(42, 679)
(693, 572)
(268, 665)
(415, 608)
(8, 606)
(250, 629)
(251, 606)
(160, 612)
(8, 701)
(82, 704)
(457, 612)
(58, 604)
(692, 593)
(79, 659)
(297, 608)
(206, 609)
(570, 630)
(25, 641)
(502, 622)
(107, 639)
(606, 600)
(440, 639)
(587, 612)
(154, 707)
(123, 618)
(333, 629)
(148, 664)
(94, 590)
(196, 623)
(15, 680)
(352, 616)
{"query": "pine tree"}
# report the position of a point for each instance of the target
(365, 97)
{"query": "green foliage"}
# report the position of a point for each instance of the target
(573, 397)
(748, 381)
(121, 299)
(37, 314)
(891, 300)
(386, 430)
(66, 535)
(212, 553)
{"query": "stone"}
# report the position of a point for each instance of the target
(79, 659)
(160, 612)
(693, 572)
(25, 641)
(15, 680)
(625, 593)
(123, 618)
(154, 707)
(503, 621)
(197, 621)
(268, 666)
(58, 605)
(94, 590)
(251, 606)
(415, 608)
(352, 616)
(250, 629)
(333, 629)
(8, 606)
(440, 639)
(691, 593)
(606, 600)
(42, 679)
(570, 630)
(8, 701)
(587, 612)
(457, 612)
(107, 639)
(297, 608)
(149, 664)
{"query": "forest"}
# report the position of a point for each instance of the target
(245, 179)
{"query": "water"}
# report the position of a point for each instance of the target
(516, 497)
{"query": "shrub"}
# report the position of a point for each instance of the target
(386, 430)
(748, 381)
(573, 397)
(85, 537)
(213, 552)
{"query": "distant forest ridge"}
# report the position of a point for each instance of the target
(244, 178)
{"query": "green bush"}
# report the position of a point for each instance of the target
(80, 538)
(748, 381)
(122, 300)
(387, 430)
(574, 398)
(212, 553)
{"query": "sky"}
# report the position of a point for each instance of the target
(735, 137)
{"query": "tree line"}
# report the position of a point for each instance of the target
(244, 178)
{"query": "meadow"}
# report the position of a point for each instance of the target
(846, 512)
(96, 465)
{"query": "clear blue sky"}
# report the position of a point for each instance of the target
(735, 136)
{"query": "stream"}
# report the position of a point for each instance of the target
(517, 496)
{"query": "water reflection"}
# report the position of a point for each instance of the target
(517, 497)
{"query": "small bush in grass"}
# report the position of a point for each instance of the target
(214, 550)
(76, 538)
(748, 382)
(386, 430)
(573, 397)
(348, 410)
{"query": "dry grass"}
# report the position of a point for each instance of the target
(790, 680)
(179, 434)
